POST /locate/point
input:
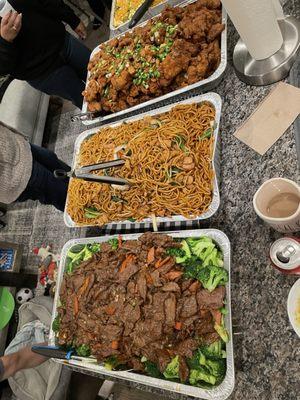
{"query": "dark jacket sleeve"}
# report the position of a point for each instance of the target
(8, 57)
(57, 9)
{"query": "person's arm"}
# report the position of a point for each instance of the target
(22, 359)
(9, 28)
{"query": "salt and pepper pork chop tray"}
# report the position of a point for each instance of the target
(172, 51)
(156, 304)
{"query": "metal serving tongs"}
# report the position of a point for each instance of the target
(87, 116)
(60, 354)
(85, 173)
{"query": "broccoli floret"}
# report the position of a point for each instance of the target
(111, 363)
(83, 350)
(206, 250)
(175, 251)
(201, 247)
(214, 259)
(217, 368)
(213, 351)
(152, 369)
(56, 324)
(94, 247)
(182, 253)
(197, 360)
(192, 267)
(201, 374)
(79, 253)
(172, 369)
(209, 362)
(212, 276)
(222, 331)
(114, 243)
(187, 253)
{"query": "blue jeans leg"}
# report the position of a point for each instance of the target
(63, 82)
(48, 158)
(68, 80)
(42, 185)
(76, 55)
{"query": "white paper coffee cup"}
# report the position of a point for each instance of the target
(267, 191)
(5, 8)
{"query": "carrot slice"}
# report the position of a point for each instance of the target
(161, 262)
(84, 286)
(217, 316)
(110, 310)
(178, 325)
(150, 256)
(120, 241)
(76, 305)
(173, 275)
(114, 345)
(129, 257)
(194, 286)
(149, 279)
(158, 262)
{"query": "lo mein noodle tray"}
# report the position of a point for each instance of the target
(168, 164)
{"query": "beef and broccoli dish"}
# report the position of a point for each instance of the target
(155, 305)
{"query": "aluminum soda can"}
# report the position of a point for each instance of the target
(285, 255)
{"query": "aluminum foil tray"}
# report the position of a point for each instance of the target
(213, 98)
(201, 86)
(152, 12)
(222, 391)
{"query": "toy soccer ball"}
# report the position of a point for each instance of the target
(24, 295)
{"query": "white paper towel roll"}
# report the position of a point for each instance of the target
(256, 23)
(278, 9)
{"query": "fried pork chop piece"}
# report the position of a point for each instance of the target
(215, 31)
(91, 92)
(94, 106)
(121, 81)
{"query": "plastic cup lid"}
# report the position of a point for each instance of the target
(7, 306)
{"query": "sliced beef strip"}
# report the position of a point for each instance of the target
(136, 364)
(110, 332)
(131, 313)
(145, 332)
(183, 369)
(211, 300)
(186, 283)
(189, 306)
(190, 320)
(129, 271)
(142, 285)
(171, 287)
(157, 309)
(170, 310)
(167, 267)
(204, 325)
(210, 338)
(163, 359)
(187, 347)
(133, 246)
(156, 279)
(77, 282)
